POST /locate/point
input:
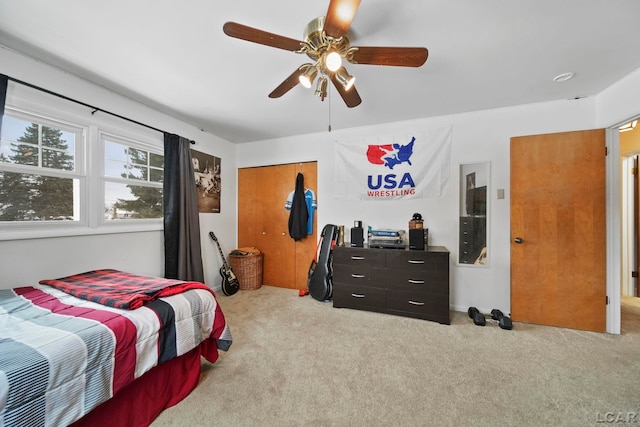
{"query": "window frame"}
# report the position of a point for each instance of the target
(30, 104)
(130, 143)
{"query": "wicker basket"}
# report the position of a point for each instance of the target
(248, 270)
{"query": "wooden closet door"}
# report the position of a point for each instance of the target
(279, 262)
(263, 221)
(305, 248)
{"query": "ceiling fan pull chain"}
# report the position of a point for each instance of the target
(329, 96)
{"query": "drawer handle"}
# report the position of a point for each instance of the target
(358, 295)
(416, 282)
(416, 261)
(357, 258)
(358, 276)
(413, 302)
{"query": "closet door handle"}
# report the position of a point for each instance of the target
(357, 258)
(416, 261)
(358, 276)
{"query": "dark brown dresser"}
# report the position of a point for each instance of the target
(403, 282)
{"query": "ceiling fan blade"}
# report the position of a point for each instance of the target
(288, 84)
(339, 16)
(239, 31)
(350, 97)
(396, 56)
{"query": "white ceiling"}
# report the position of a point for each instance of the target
(172, 55)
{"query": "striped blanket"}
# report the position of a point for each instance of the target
(61, 356)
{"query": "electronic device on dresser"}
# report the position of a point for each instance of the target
(385, 238)
(357, 235)
(418, 235)
(418, 238)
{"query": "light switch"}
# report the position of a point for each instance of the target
(500, 193)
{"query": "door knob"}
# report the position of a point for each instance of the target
(264, 233)
(518, 240)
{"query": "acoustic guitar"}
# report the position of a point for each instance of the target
(230, 284)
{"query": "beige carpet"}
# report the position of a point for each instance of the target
(299, 362)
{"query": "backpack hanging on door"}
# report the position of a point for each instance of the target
(320, 280)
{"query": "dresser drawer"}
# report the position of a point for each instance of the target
(420, 305)
(360, 275)
(417, 260)
(359, 297)
(358, 256)
(425, 282)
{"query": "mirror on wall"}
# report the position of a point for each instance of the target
(474, 192)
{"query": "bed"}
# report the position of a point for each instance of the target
(103, 348)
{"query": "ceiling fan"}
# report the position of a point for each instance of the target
(326, 43)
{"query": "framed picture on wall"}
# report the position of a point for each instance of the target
(207, 170)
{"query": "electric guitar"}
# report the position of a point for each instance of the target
(230, 283)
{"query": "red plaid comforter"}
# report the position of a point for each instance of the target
(118, 289)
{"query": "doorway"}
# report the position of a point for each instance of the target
(629, 153)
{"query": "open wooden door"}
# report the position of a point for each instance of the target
(558, 230)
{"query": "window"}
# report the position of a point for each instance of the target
(65, 171)
(41, 172)
(132, 180)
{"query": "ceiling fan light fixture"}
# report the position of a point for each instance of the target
(345, 79)
(308, 76)
(333, 61)
(321, 88)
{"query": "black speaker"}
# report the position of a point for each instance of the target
(357, 237)
(418, 238)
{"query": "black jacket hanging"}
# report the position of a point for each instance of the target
(299, 215)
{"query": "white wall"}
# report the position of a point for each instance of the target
(478, 136)
(24, 262)
(619, 102)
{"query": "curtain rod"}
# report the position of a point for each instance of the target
(93, 107)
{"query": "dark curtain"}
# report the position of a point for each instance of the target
(3, 96)
(182, 251)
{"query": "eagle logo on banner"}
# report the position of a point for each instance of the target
(414, 166)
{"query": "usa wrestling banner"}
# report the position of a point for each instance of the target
(410, 166)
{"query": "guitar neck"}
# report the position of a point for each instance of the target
(224, 260)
